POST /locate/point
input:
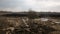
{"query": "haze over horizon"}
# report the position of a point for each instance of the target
(24, 5)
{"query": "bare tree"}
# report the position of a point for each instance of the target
(32, 14)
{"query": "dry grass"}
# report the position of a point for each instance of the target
(22, 24)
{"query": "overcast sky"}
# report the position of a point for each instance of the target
(38, 5)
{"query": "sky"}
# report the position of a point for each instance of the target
(24, 5)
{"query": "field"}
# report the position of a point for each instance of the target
(32, 24)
